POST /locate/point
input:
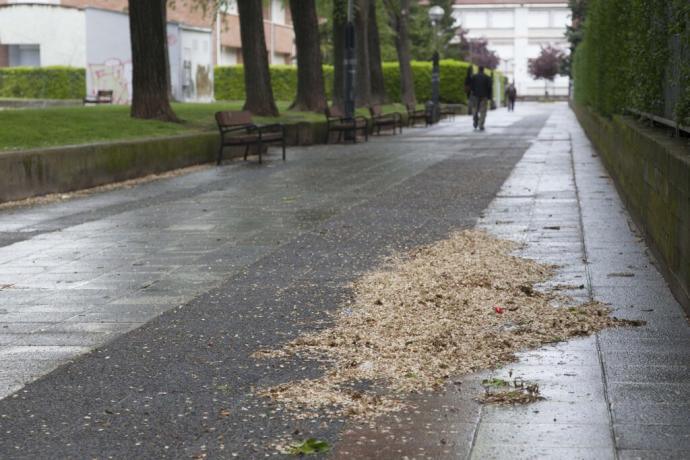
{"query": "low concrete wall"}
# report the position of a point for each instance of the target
(38, 103)
(29, 173)
(652, 172)
(38, 172)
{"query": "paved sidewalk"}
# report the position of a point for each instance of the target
(175, 283)
(623, 393)
(77, 274)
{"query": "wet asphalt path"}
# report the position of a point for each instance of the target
(175, 283)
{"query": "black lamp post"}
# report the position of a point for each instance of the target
(436, 13)
(350, 64)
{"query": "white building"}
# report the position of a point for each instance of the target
(516, 31)
(98, 40)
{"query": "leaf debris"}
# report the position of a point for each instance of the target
(426, 317)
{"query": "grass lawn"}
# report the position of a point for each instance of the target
(44, 127)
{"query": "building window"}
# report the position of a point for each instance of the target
(229, 7)
(475, 20)
(560, 18)
(278, 12)
(24, 55)
(502, 20)
(538, 19)
(228, 55)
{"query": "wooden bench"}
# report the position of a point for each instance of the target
(388, 120)
(237, 128)
(101, 97)
(336, 121)
(447, 111)
(414, 115)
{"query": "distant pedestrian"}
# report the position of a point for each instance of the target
(468, 90)
(481, 88)
(511, 95)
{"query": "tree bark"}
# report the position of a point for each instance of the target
(311, 95)
(363, 93)
(257, 77)
(339, 23)
(150, 65)
(378, 89)
(400, 15)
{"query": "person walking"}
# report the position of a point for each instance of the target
(511, 95)
(481, 90)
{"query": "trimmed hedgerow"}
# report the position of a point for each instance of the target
(635, 53)
(229, 81)
(42, 82)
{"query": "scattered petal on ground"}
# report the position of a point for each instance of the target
(428, 316)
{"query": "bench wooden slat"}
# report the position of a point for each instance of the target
(238, 128)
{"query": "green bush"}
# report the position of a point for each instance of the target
(636, 54)
(42, 82)
(229, 81)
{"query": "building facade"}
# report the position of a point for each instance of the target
(516, 31)
(94, 34)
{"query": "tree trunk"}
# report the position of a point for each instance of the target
(257, 77)
(400, 22)
(378, 89)
(311, 95)
(339, 23)
(363, 94)
(150, 65)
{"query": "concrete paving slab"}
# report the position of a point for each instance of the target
(265, 252)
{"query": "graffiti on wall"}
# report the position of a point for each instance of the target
(204, 85)
(114, 75)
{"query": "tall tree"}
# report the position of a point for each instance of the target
(378, 89)
(399, 14)
(311, 95)
(339, 15)
(257, 77)
(150, 65)
(363, 79)
(425, 39)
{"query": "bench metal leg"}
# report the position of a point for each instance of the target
(220, 155)
(283, 148)
(261, 147)
(246, 151)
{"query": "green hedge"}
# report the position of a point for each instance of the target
(229, 81)
(42, 82)
(635, 53)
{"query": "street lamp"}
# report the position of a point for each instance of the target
(436, 13)
(350, 63)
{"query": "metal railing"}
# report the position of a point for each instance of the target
(660, 120)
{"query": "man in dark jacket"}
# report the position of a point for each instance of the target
(481, 88)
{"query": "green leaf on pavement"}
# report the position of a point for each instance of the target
(310, 446)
